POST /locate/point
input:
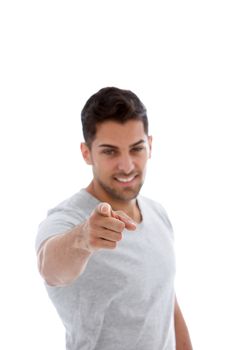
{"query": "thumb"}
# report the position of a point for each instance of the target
(104, 209)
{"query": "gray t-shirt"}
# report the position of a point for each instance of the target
(124, 300)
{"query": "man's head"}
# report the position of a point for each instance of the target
(117, 144)
(114, 104)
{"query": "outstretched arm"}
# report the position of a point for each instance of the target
(183, 341)
(63, 257)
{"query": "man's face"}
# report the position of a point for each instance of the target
(118, 156)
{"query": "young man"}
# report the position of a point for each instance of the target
(106, 254)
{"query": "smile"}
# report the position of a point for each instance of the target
(125, 179)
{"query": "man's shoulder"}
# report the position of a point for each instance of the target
(154, 206)
(80, 201)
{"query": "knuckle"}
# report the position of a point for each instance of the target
(122, 226)
(119, 236)
(113, 245)
(93, 241)
(119, 212)
(91, 220)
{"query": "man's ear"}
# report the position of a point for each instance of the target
(150, 145)
(86, 153)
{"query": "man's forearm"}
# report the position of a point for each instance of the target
(183, 341)
(63, 258)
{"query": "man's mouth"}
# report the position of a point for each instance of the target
(125, 179)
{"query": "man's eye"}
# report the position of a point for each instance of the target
(109, 152)
(137, 149)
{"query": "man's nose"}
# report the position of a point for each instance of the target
(125, 164)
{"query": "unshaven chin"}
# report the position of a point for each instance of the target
(120, 191)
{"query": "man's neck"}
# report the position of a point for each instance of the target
(130, 207)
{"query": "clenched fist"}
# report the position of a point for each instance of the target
(104, 227)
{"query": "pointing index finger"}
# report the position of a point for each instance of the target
(129, 223)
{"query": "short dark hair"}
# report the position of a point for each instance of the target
(111, 103)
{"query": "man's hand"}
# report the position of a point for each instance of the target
(63, 258)
(104, 227)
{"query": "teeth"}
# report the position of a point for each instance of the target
(125, 180)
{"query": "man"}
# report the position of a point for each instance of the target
(106, 254)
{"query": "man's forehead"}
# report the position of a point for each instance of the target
(114, 133)
(138, 143)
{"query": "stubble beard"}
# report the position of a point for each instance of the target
(125, 194)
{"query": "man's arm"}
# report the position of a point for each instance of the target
(63, 258)
(183, 341)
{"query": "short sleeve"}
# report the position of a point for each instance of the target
(57, 222)
(165, 218)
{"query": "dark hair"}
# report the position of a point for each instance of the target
(111, 103)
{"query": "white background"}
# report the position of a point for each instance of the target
(177, 56)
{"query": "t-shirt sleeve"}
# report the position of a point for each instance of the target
(164, 216)
(57, 222)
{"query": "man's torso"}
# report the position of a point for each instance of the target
(125, 297)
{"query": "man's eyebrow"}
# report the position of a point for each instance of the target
(107, 145)
(115, 147)
(137, 143)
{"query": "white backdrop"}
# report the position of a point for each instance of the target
(177, 56)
